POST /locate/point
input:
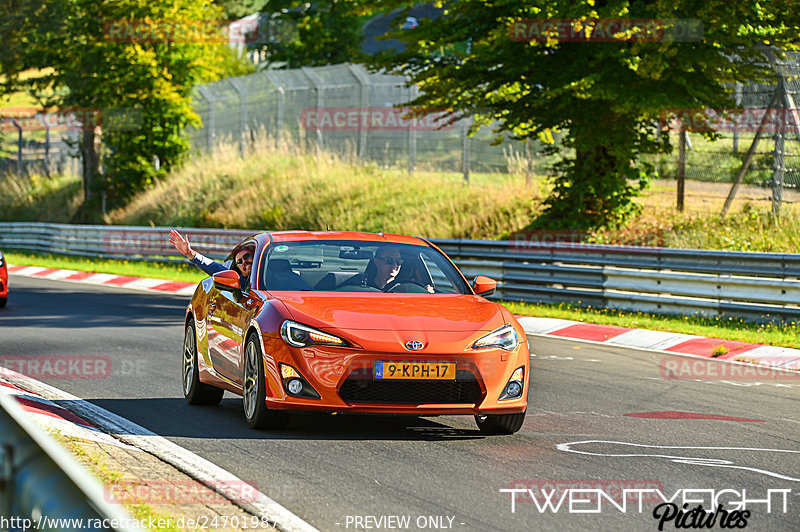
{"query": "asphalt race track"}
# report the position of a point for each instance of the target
(350, 472)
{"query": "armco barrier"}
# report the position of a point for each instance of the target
(662, 280)
(42, 486)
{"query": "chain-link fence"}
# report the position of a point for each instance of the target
(758, 145)
(33, 144)
(346, 109)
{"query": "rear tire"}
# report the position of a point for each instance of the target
(254, 391)
(196, 392)
(500, 423)
(3, 302)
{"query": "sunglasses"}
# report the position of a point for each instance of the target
(392, 260)
(245, 258)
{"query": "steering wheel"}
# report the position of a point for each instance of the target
(392, 287)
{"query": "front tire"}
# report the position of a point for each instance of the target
(196, 392)
(500, 423)
(254, 391)
(3, 301)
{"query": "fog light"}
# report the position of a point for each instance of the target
(513, 389)
(295, 386)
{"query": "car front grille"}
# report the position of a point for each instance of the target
(360, 387)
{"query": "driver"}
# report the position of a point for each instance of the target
(386, 265)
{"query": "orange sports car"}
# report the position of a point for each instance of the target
(354, 322)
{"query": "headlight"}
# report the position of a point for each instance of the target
(298, 335)
(505, 338)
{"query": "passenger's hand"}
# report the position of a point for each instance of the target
(181, 244)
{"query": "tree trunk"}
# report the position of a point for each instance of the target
(91, 165)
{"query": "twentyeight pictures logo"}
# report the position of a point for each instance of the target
(681, 508)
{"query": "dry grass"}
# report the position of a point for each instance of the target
(280, 187)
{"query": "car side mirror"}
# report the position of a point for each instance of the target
(484, 286)
(227, 280)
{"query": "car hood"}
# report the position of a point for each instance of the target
(398, 312)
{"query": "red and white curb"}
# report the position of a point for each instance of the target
(52, 417)
(682, 344)
(38, 399)
(107, 279)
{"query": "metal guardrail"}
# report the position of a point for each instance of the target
(660, 280)
(42, 486)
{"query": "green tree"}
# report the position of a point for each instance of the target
(314, 33)
(236, 9)
(128, 66)
(605, 97)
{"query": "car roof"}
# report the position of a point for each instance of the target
(294, 236)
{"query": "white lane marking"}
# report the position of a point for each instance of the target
(60, 275)
(99, 278)
(650, 339)
(30, 270)
(210, 474)
(710, 462)
(143, 283)
(556, 357)
(188, 291)
(543, 325)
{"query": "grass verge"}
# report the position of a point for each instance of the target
(785, 334)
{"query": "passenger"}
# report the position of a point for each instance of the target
(242, 260)
(414, 271)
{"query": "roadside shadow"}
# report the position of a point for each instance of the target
(173, 417)
(72, 306)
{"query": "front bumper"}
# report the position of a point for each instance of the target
(344, 380)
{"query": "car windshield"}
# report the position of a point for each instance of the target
(354, 266)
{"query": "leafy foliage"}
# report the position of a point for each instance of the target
(605, 97)
(137, 85)
(315, 33)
